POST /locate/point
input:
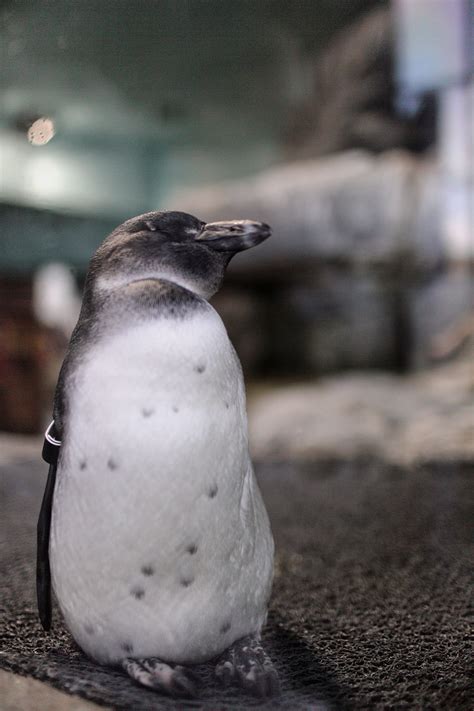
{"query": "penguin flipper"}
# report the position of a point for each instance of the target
(43, 572)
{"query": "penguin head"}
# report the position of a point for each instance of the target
(173, 246)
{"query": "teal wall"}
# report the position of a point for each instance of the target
(147, 96)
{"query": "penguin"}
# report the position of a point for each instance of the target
(153, 533)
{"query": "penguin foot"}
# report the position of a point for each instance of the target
(175, 681)
(247, 664)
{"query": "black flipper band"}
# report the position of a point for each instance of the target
(43, 574)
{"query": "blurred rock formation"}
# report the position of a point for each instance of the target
(353, 103)
(406, 420)
(359, 272)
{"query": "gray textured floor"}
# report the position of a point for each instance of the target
(371, 599)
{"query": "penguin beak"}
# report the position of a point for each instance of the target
(233, 236)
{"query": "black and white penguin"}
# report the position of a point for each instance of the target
(159, 543)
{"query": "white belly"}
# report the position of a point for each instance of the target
(160, 542)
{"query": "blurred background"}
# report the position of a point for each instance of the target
(348, 125)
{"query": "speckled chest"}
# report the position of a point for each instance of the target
(156, 513)
(156, 411)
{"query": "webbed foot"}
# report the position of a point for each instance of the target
(247, 664)
(177, 681)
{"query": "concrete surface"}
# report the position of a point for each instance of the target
(18, 693)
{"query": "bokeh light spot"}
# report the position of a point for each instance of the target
(41, 131)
